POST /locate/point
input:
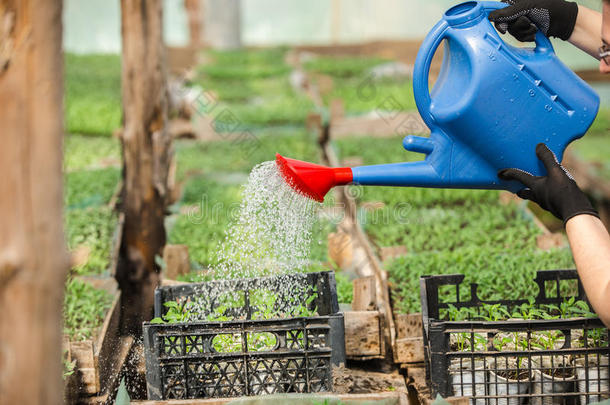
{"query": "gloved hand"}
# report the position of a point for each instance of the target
(555, 18)
(556, 192)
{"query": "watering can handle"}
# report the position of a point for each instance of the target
(421, 69)
(543, 44)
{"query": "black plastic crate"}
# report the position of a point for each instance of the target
(247, 354)
(514, 361)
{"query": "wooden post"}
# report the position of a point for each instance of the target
(33, 256)
(177, 261)
(146, 156)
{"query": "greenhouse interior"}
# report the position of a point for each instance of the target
(327, 202)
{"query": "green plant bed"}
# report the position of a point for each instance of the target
(363, 94)
(228, 72)
(343, 66)
(244, 65)
(246, 90)
(202, 225)
(90, 152)
(269, 110)
(448, 232)
(248, 57)
(214, 194)
(502, 274)
(444, 229)
(92, 93)
(204, 233)
(87, 188)
(218, 156)
(93, 228)
(375, 151)
(208, 206)
(208, 209)
(418, 197)
(84, 309)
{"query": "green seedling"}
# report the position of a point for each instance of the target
(494, 312)
(597, 337)
(546, 340)
(465, 341)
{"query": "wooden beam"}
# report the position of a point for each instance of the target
(33, 256)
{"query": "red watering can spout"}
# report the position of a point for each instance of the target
(310, 179)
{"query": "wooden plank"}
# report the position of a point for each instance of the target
(408, 325)
(409, 350)
(82, 352)
(177, 260)
(106, 346)
(363, 334)
(365, 297)
(122, 350)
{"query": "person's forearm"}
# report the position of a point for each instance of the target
(590, 244)
(587, 31)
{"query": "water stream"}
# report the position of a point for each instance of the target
(273, 230)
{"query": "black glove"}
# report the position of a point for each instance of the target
(555, 18)
(556, 192)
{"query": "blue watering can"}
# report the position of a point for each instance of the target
(490, 107)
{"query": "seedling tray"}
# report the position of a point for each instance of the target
(514, 361)
(216, 359)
